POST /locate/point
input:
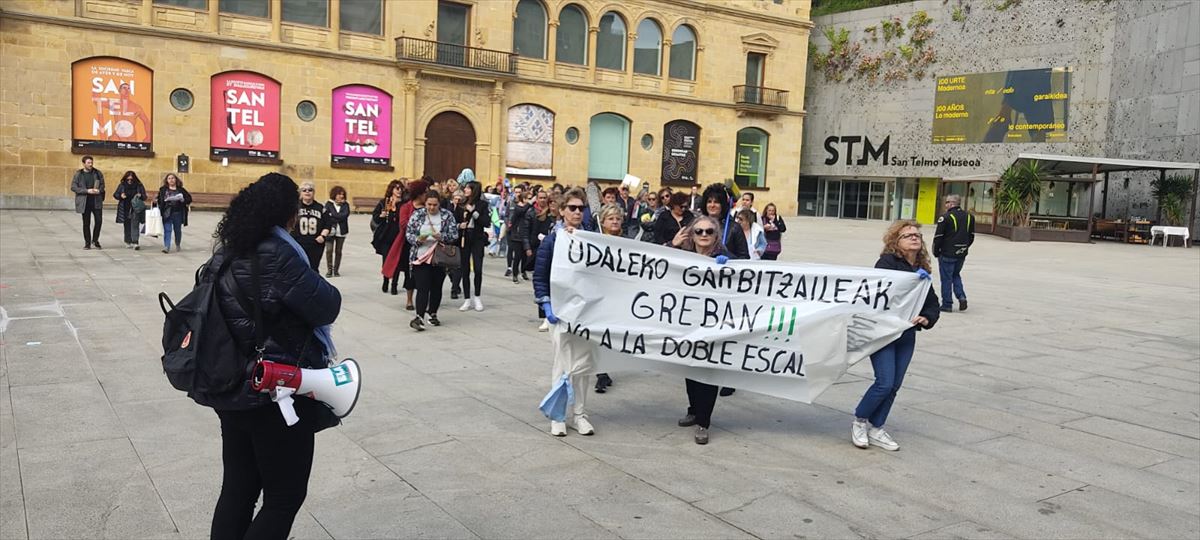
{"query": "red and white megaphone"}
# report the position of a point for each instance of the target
(337, 387)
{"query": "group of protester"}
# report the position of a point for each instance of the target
(172, 201)
(260, 240)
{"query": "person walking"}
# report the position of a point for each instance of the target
(547, 218)
(903, 250)
(756, 238)
(401, 250)
(337, 217)
(88, 187)
(573, 355)
(173, 202)
(507, 208)
(520, 228)
(773, 228)
(261, 456)
(311, 229)
(429, 226)
(452, 202)
(951, 240)
(473, 218)
(701, 237)
(670, 222)
(385, 228)
(131, 207)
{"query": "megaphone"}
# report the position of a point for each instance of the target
(337, 387)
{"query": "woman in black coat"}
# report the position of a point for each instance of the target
(903, 250)
(669, 221)
(259, 452)
(385, 226)
(474, 218)
(173, 201)
(129, 190)
(716, 206)
(337, 216)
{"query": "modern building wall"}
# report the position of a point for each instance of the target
(186, 47)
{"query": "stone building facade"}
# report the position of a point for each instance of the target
(599, 90)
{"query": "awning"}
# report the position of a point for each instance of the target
(1055, 165)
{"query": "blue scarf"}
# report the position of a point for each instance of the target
(323, 333)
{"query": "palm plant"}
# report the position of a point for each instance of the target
(1173, 194)
(1020, 188)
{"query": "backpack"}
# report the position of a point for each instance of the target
(200, 354)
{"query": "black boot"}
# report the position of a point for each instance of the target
(395, 282)
(385, 284)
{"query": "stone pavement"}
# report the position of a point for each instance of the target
(1064, 404)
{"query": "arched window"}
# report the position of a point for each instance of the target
(608, 147)
(683, 53)
(572, 36)
(750, 169)
(647, 49)
(529, 29)
(610, 42)
(530, 140)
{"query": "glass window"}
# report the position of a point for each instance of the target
(182, 99)
(572, 135)
(751, 166)
(190, 4)
(610, 42)
(452, 23)
(572, 36)
(249, 8)
(362, 16)
(1055, 199)
(647, 49)
(647, 141)
(529, 29)
(608, 147)
(306, 110)
(683, 53)
(310, 12)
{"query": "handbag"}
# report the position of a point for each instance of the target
(447, 256)
(154, 224)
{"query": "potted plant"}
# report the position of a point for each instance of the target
(1020, 187)
(1173, 194)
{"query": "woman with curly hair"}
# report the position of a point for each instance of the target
(716, 206)
(258, 263)
(337, 218)
(429, 226)
(903, 250)
(385, 226)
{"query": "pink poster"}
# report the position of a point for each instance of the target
(244, 117)
(362, 128)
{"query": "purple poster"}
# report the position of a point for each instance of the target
(362, 128)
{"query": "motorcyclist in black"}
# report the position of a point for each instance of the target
(953, 238)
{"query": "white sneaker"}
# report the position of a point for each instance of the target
(558, 429)
(545, 327)
(880, 438)
(478, 303)
(858, 433)
(466, 305)
(580, 423)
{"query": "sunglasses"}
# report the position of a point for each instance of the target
(704, 232)
(574, 207)
(911, 235)
(306, 191)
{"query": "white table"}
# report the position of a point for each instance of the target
(1167, 232)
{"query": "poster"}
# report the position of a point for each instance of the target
(681, 150)
(361, 126)
(530, 148)
(783, 329)
(1007, 106)
(244, 120)
(112, 106)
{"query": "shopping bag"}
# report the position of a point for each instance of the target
(154, 224)
(555, 404)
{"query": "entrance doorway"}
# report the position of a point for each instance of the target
(449, 146)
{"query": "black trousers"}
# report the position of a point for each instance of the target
(92, 211)
(313, 251)
(132, 228)
(396, 274)
(261, 453)
(702, 398)
(770, 256)
(517, 250)
(333, 252)
(429, 280)
(472, 264)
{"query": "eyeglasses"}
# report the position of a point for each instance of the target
(911, 235)
(574, 207)
(704, 232)
(651, 198)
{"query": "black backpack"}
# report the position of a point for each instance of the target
(200, 353)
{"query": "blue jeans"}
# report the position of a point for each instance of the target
(890, 364)
(172, 223)
(950, 270)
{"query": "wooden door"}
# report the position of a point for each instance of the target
(449, 146)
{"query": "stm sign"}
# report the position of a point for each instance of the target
(869, 152)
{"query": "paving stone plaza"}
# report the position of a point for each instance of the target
(1064, 404)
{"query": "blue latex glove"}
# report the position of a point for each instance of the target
(549, 313)
(721, 259)
(921, 273)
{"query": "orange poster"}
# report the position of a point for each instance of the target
(112, 102)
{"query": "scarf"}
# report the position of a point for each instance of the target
(323, 333)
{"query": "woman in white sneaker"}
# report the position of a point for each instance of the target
(428, 227)
(474, 218)
(903, 250)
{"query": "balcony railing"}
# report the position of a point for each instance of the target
(759, 96)
(450, 54)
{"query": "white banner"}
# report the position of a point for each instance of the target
(784, 329)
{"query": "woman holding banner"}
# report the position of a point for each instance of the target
(701, 237)
(573, 355)
(717, 202)
(612, 222)
(903, 250)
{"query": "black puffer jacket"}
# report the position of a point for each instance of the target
(295, 300)
(521, 223)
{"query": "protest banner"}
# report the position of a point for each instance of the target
(783, 329)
